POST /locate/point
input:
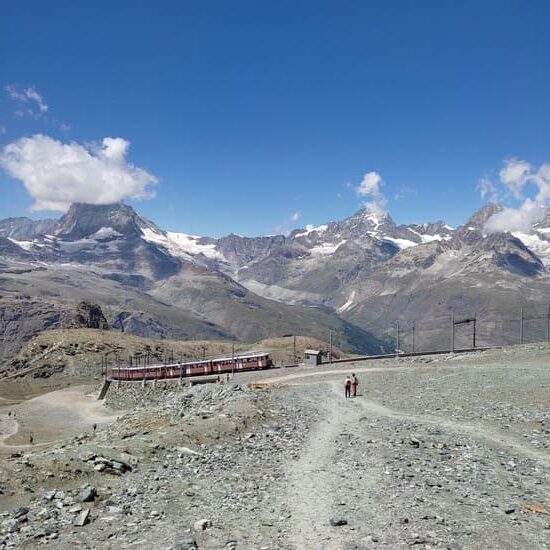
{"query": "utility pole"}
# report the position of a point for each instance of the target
(232, 358)
(397, 338)
(548, 324)
(330, 351)
(521, 326)
(474, 335)
(294, 350)
(413, 330)
(452, 333)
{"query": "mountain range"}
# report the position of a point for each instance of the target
(354, 277)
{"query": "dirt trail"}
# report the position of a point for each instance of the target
(477, 431)
(12, 427)
(311, 479)
(320, 484)
(51, 417)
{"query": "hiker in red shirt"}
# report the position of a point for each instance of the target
(354, 384)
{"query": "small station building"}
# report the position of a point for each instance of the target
(312, 357)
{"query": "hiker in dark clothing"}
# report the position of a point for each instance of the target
(348, 387)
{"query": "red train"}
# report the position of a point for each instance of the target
(239, 363)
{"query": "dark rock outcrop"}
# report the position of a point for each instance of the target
(88, 316)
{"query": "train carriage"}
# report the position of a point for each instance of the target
(223, 365)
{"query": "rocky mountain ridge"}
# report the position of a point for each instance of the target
(350, 276)
(147, 283)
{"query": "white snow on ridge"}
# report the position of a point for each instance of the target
(105, 233)
(537, 245)
(325, 249)
(180, 244)
(310, 229)
(189, 243)
(152, 236)
(25, 245)
(432, 238)
(401, 243)
(348, 304)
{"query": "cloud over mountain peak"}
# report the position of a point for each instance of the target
(56, 174)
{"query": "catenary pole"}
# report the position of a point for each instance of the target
(521, 325)
(452, 333)
(397, 338)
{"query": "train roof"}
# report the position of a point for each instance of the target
(200, 362)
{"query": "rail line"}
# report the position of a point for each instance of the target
(405, 354)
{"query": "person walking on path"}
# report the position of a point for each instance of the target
(31, 439)
(347, 384)
(354, 384)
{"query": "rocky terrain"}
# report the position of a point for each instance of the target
(22, 317)
(435, 452)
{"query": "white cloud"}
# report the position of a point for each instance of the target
(296, 216)
(516, 177)
(2, 130)
(486, 189)
(370, 187)
(376, 209)
(56, 174)
(30, 100)
(516, 219)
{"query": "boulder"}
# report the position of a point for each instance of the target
(82, 519)
(87, 494)
(202, 524)
(185, 544)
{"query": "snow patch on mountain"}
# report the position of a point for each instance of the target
(348, 304)
(311, 229)
(191, 245)
(105, 233)
(181, 245)
(25, 245)
(427, 238)
(161, 239)
(324, 249)
(541, 247)
(400, 243)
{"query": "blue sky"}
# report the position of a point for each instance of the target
(252, 113)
